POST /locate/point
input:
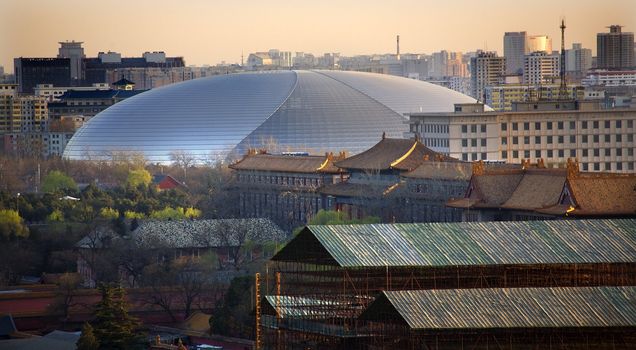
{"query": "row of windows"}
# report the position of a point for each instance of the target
(473, 142)
(434, 128)
(280, 180)
(608, 166)
(473, 128)
(561, 153)
(436, 142)
(571, 138)
(607, 124)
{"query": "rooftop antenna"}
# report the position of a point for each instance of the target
(241, 58)
(563, 88)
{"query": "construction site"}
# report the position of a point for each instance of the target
(502, 285)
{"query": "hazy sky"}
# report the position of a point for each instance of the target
(208, 31)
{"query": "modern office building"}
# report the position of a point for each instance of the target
(515, 48)
(578, 61)
(539, 43)
(601, 139)
(29, 72)
(224, 116)
(486, 69)
(502, 97)
(615, 50)
(75, 53)
(540, 67)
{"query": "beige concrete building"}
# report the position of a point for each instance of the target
(601, 139)
(501, 97)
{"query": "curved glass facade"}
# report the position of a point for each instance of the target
(222, 116)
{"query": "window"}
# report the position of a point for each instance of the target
(464, 143)
(608, 152)
(473, 142)
(464, 128)
(504, 154)
(465, 157)
(597, 152)
(515, 126)
(504, 126)
(619, 152)
(537, 154)
(504, 140)
(560, 139)
(572, 153)
(630, 166)
(526, 154)
(549, 139)
(572, 125)
(515, 140)
(619, 138)
(484, 155)
(526, 140)
(595, 138)
(595, 124)
(526, 126)
(584, 124)
(483, 142)
(585, 152)
(561, 153)
(607, 124)
(608, 166)
(630, 124)
(537, 140)
(537, 126)
(572, 138)
(607, 138)
(597, 166)
(474, 156)
(473, 128)
(515, 154)
(560, 125)
(586, 167)
(549, 125)
(630, 137)
(550, 153)
(619, 166)
(619, 124)
(483, 127)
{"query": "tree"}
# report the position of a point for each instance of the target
(108, 213)
(56, 181)
(138, 177)
(332, 217)
(183, 160)
(114, 327)
(65, 295)
(87, 340)
(12, 225)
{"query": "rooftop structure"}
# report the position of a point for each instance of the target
(307, 111)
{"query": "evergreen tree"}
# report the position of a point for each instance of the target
(87, 340)
(114, 327)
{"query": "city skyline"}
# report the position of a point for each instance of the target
(207, 33)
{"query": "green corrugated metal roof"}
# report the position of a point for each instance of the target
(472, 243)
(511, 307)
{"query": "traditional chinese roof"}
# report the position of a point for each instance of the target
(465, 244)
(489, 190)
(286, 163)
(163, 181)
(123, 82)
(599, 195)
(441, 171)
(501, 308)
(539, 188)
(348, 189)
(401, 154)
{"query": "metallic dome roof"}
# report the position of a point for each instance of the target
(221, 117)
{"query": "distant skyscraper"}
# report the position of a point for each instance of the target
(515, 47)
(539, 43)
(540, 67)
(578, 60)
(75, 52)
(486, 69)
(615, 50)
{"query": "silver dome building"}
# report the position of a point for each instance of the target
(221, 117)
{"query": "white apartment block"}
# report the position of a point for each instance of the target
(601, 139)
(540, 67)
(53, 93)
(610, 78)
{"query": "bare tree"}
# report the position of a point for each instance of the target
(183, 160)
